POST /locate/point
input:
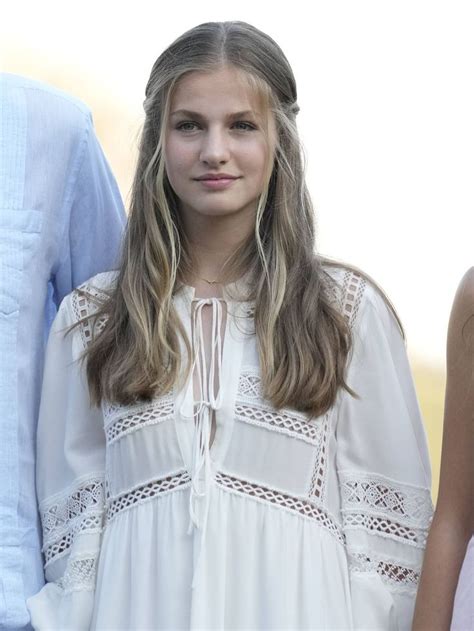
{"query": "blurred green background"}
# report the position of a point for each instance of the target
(430, 383)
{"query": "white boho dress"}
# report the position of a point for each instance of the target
(284, 522)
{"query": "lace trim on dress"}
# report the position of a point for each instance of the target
(120, 421)
(386, 508)
(353, 287)
(350, 297)
(293, 504)
(376, 494)
(146, 492)
(250, 408)
(75, 511)
(90, 524)
(317, 487)
(80, 575)
(250, 385)
(383, 527)
(83, 307)
(397, 577)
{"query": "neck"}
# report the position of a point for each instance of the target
(212, 241)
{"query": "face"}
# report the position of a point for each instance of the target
(217, 148)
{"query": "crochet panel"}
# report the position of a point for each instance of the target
(386, 528)
(80, 575)
(296, 505)
(146, 492)
(317, 489)
(385, 507)
(85, 302)
(349, 296)
(397, 577)
(122, 420)
(78, 510)
(353, 288)
(250, 407)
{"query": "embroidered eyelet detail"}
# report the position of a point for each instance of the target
(379, 495)
(353, 287)
(77, 511)
(384, 527)
(278, 421)
(85, 301)
(317, 487)
(80, 575)
(249, 386)
(62, 512)
(120, 421)
(385, 507)
(293, 504)
(146, 492)
(251, 408)
(90, 524)
(397, 577)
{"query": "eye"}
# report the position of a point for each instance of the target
(245, 126)
(187, 126)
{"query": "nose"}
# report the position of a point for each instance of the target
(215, 148)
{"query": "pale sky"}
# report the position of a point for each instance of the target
(386, 94)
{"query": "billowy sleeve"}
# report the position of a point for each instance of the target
(69, 481)
(383, 472)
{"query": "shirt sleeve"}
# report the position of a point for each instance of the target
(95, 221)
(383, 472)
(70, 483)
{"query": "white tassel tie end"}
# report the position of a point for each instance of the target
(209, 401)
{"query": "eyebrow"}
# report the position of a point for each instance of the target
(191, 114)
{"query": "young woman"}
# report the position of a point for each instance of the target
(253, 457)
(453, 521)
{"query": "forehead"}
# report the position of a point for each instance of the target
(226, 89)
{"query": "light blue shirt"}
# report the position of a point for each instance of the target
(61, 221)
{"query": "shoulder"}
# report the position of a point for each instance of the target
(102, 282)
(87, 297)
(464, 299)
(50, 105)
(461, 322)
(97, 287)
(78, 312)
(44, 92)
(358, 294)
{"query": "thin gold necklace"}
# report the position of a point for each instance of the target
(210, 282)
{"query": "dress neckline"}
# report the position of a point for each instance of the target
(193, 417)
(240, 285)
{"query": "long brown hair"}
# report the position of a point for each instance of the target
(303, 340)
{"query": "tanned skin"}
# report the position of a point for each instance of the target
(453, 520)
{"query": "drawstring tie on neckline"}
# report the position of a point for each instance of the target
(202, 412)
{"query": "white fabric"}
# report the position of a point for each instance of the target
(285, 522)
(207, 402)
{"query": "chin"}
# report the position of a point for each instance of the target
(218, 211)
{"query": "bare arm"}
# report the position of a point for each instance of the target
(453, 519)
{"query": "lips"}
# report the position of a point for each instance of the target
(217, 184)
(216, 176)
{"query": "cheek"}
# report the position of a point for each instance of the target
(256, 153)
(178, 157)
(256, 160)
